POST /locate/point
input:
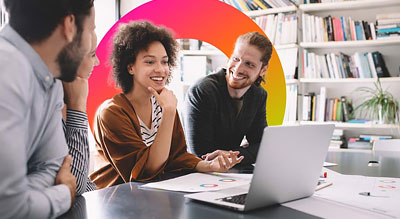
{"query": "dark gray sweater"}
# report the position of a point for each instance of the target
(210, 122)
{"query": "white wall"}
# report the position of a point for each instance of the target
(105, 17)
(127, 5)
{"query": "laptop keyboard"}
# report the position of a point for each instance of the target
(237, 199)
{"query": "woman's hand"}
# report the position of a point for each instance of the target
(166, 99)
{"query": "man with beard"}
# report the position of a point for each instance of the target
(223, 108)
(44, 41)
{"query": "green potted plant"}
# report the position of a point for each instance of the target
(379, 105)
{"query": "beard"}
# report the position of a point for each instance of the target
(237, 84)
(70, 58)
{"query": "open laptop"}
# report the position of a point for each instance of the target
(288, 166)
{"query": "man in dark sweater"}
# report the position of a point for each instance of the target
(223, 108)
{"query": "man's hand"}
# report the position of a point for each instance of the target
(76, 93)
(214, 154)
(225, 161)
(64, 176)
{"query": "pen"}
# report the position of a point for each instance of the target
(370, 195)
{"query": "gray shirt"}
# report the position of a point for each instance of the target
(32, 141)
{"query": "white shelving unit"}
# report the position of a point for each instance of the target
(349, 80)
(348, 5)
(357, 10)
(349, 44)
(345, 125)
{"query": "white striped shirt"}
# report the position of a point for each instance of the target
(149, 134)
(76, 134)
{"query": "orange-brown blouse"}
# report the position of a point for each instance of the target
(119, 142)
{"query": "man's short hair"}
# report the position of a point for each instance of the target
(36, 20)
(132, 38)
(263, 45)
(261, 42)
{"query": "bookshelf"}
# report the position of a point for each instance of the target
(358, 10)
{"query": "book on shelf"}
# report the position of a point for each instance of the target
(388, 25)
(289, 57)
(358, 143)
(373, 138)
(317, 107)
(325, 1)
(291, 103)
(329, 28)
(253, 5)
(280, 28)
(336, 66)
(338, 140)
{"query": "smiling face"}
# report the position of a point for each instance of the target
(243, 69)
(151, 68)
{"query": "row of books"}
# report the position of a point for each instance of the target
(252, 5)
(324, 29)
(317, 107)
(280, 28)
(331, 65)
(291, 103)
(388, 25)
(325, 1)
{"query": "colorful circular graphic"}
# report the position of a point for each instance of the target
(208, 185)
(211, 21)
(387, 181)
(227, 180)
(387, 187)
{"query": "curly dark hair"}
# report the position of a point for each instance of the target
(263, 44)
(132, 38)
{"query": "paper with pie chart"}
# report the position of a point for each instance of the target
(202, 182)
(376, 194)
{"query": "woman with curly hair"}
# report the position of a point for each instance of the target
(138, 132)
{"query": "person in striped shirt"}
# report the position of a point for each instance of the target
(138, 132)
(75, 122)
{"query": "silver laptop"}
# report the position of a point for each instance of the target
(288, 166)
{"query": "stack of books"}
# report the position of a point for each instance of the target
(337, 140)
(324, 29)
(331, 65)
(365, 141)
(388, 25)
(252, 5)
(280, 28)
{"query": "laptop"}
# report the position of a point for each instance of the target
(288, 166)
